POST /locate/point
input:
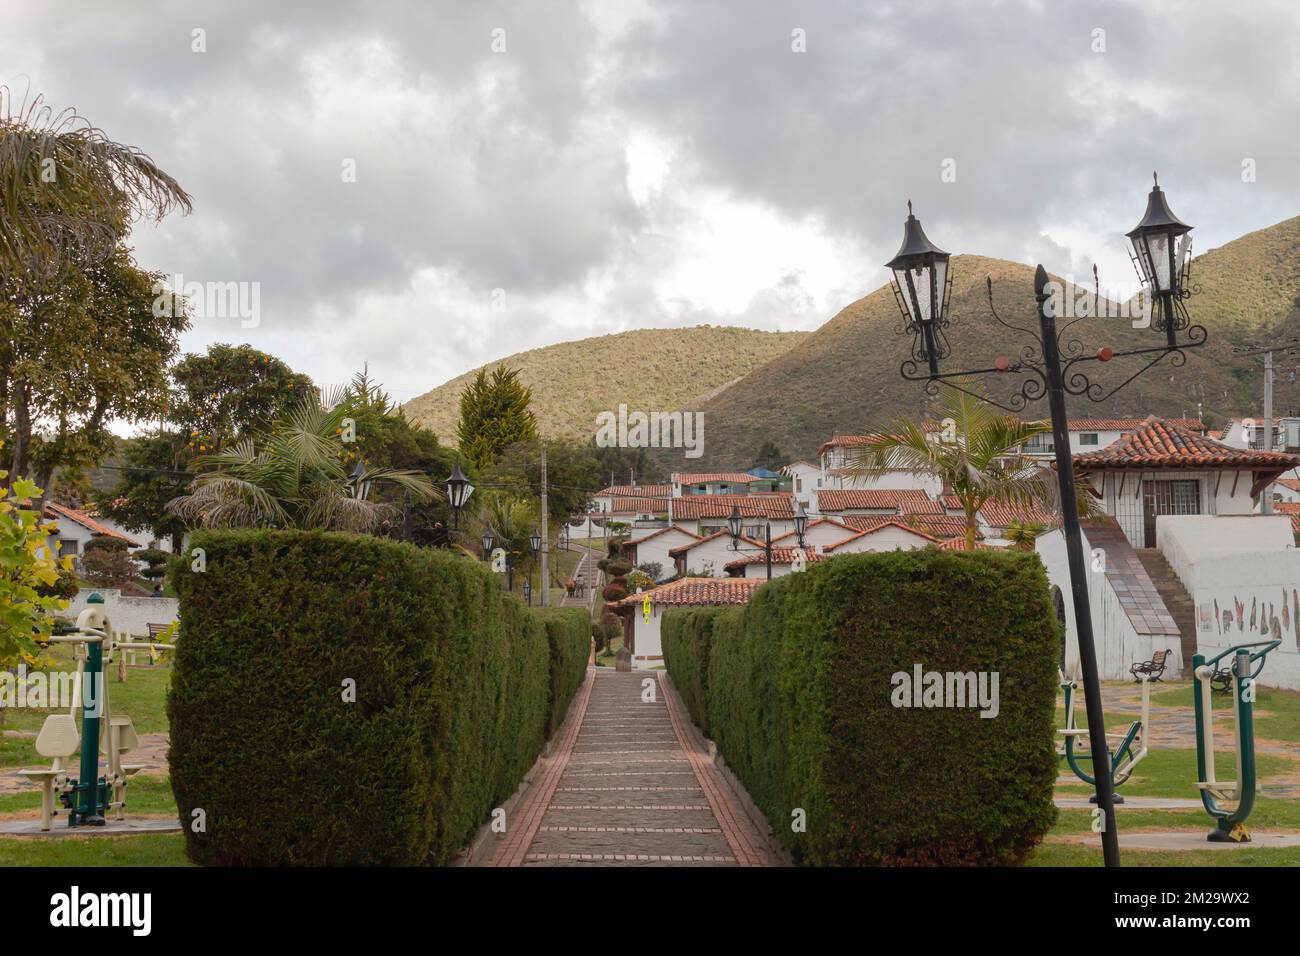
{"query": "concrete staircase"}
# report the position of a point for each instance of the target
(1178, 602)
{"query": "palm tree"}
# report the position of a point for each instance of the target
(65, 186)
(977, 452)
(1023, 534)
(294, 478)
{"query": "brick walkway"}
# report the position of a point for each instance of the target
(629, 785)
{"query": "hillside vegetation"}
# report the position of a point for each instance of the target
(844, 377)
(646, 369)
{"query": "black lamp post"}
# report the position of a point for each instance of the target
(534, 542)
(458, 491)
(800, 521)
(921, 279)
(487, 543)
(734, 521)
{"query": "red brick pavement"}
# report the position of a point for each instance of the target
(628, 785)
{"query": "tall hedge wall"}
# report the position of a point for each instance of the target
(456, 686)
(799, 696)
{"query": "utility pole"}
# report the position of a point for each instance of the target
(546, 540)
(1266, 496)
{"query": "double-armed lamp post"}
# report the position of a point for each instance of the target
(735, 521)
(922, 284)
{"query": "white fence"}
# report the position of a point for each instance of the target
(131, 615)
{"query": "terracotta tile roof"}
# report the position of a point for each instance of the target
(886, 520)
(1291, 483)
(731, 477)
(1292, 509)
(939, 526)
(1161, 443)
(690, 592)
(658, 506)
(719, 506)
(851, 441)
(903, 500)
(635, 491)
(816, 521)
(959, 544)
(1128, 424)
(55, 511)
(779, 556)
(677, 552)
(671, 527)
(998, 514)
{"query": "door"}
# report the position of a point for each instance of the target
(1181, 497)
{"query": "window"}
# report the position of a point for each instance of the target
(755, 531)
(67, 546)
(1088, 438)
(798, 484)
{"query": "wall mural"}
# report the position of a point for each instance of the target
(1266, 618)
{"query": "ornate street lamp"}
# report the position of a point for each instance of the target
(535, 541)
(458, 491)
(1163, 262)
(922, 284)
(1162, 254)
(734, 527)
(487, 543)
(800, 521)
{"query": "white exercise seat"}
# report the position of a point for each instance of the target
(57, 740)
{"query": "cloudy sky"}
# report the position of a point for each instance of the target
(428, 186)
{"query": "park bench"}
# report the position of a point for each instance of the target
(1152, 669)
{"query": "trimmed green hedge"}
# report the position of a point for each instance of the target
(798, 690)
(569, 634)
(685, 636)
(454, 695)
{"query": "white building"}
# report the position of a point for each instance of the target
(709, 556)
(641, 630)
(653, 548)
(74, 528)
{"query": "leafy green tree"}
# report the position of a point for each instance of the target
(978, 454)
(494, 415)
(153, 474)
(67, 189)
(80, 350)
(230, 392)
(26, 566)
(108, 567)
(294, 476)
(769, 457)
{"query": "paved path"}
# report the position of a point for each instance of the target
(629, 784)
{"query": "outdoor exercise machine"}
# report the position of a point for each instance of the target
(1245, 667)
(89, 796)
(1131, 746)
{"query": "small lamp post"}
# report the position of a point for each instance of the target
(487, 543)
(458, 491)
(535, 543)
(921, 279)
(800, 521)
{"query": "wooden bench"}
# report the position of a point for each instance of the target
(1152, 669)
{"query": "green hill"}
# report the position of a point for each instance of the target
(646, 369)
(844, 377)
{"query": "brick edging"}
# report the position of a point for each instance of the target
(514, 848)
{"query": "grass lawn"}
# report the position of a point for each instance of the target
(159, 849)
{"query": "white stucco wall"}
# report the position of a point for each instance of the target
(656, 549)
(888, 538)
(1246, 563)
(1117, 642)
(130, 615)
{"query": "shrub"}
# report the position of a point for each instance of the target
(615, 590)
(686, 635)
(453, 688)
(797, 694)
(569, 636)
(108, 567)
(104, 542)
(156, 561)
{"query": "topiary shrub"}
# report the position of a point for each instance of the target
(569, 635)
(615, 590)
(799, 692)
(350, 700)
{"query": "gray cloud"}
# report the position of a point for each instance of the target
(479, 171)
